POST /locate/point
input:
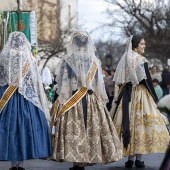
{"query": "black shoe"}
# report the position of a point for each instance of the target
(20, 168)
(74, 168)
(77, 168)
(81, 168)
(129, 164)
(13, 168)
(139, 164)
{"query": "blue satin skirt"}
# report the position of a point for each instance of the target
(24, 132)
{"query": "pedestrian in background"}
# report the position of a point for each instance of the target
(156, 74)
(134, 108)
(157, 88)
(24, 131)
(165, 80)
(47, 80)
(109, 85)
(103, 72)
(113, 72)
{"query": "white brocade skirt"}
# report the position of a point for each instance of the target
(97, 142)
(149, 133)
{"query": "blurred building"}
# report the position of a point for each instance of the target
(53, 18)
(49, 14)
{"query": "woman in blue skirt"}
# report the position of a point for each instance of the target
(24, 130)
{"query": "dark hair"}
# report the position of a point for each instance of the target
(108, 72)
(113, 70)
(157, 68)
(155, 81)
(136, 40)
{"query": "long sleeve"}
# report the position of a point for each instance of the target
(148, 83)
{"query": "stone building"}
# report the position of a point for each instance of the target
(55, 18)
(47, 12)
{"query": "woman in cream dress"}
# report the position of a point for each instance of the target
(139, 124)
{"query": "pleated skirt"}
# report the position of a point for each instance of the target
(87, 140)
(149, 133)
(24, 131)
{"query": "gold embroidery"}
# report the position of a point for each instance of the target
(6, 96)
(138, 107)
(79, 94)
(11, 89)
(76, 98)
(149, 133)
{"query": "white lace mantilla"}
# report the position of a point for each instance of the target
(73, 68)
(130, 67)
(12, 58)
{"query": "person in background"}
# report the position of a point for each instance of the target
(109, 85)
(158, 89)
(134, 109)
(156, 74)
(24, 118)
(165, 80)
(47, 81)
(103, 72)
(113, 72)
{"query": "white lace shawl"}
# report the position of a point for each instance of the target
(72, 70)
(130, 67)
(12, 58)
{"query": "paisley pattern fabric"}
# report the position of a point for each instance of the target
(95, 141)
(149, 133)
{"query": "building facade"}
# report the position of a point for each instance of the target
(51, 14)
(55, 18)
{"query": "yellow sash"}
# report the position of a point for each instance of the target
(77, 96)
(11, 89)
(53, 112)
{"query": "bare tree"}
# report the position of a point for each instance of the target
(52, 35)
(113, 48)
(150, 19)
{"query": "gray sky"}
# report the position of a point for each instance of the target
(91, 13)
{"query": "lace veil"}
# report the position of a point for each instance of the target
(12, 59)
(130, 67)
(72, 70)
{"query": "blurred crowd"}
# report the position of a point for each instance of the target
(161, 80)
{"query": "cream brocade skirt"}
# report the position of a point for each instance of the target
(149, 133)
(96, 143)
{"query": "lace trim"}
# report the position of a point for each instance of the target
(130, 67)
(12, 58)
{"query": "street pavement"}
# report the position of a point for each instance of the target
(152, 162)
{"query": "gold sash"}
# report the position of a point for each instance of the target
(11, 89)
(77, 96)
